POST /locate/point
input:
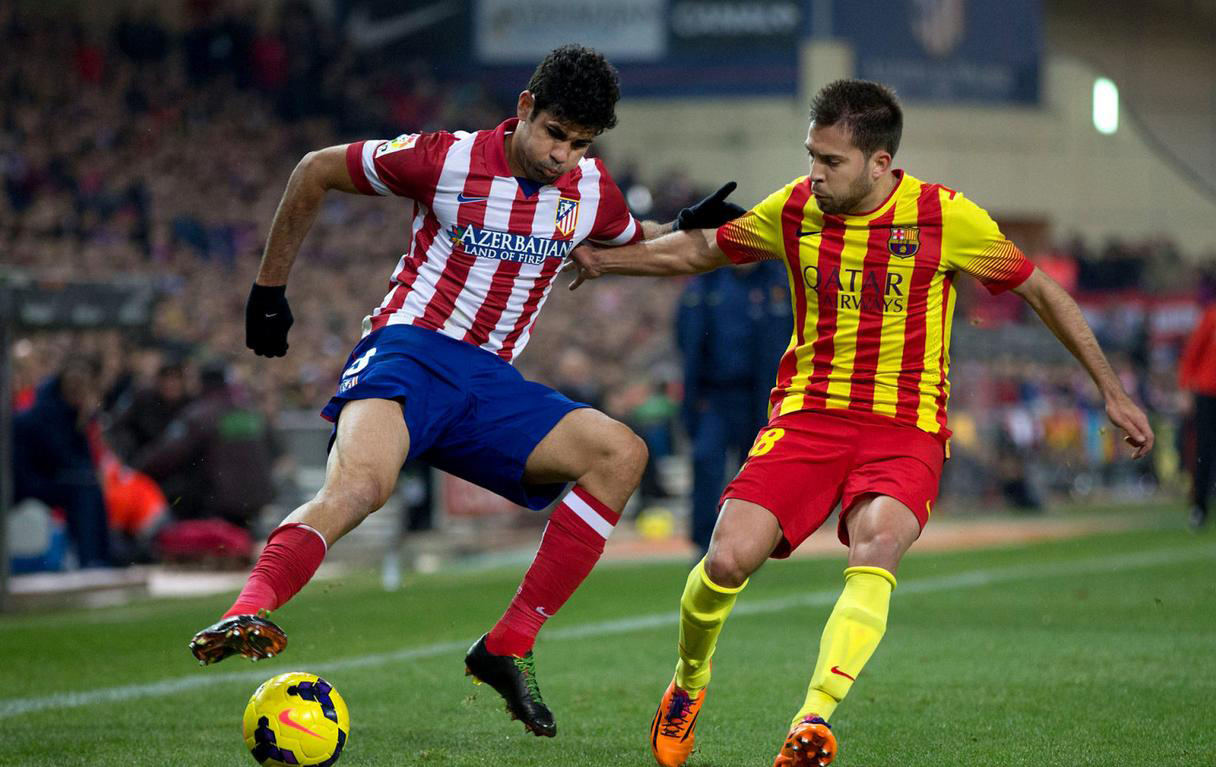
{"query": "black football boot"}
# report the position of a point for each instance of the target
(515, 680)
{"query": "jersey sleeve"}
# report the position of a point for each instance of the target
(974, 244)
(407, 166)
(756, 235)
(1199, 350)
(614, 224)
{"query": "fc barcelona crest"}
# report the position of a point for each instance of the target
(904, 241)
(567, 216)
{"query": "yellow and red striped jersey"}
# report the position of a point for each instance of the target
(873, 294)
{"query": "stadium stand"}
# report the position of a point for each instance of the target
(161, 152)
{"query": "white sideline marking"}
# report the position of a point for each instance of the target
(971, 579)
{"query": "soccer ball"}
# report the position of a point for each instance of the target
(296, 719)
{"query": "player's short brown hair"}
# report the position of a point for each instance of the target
(577, 85)
(869, 109)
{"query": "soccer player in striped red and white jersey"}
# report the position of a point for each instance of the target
(494, 215)
(858, 413)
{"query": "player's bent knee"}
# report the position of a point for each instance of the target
(622, 453)
(355, 497)
(634, 453)
(725, 569)
(878, 548)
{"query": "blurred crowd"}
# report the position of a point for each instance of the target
(162, 152)
(1029, 424)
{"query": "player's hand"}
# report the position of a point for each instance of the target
(267, 320)
(1123, 413)
(710, 213)
(584, 263)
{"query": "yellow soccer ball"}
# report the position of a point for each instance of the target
(656, 523)
(296, 719)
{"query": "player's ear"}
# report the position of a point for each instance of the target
(523, 108)
(880, 163)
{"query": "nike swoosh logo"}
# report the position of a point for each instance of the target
(691, 725)
(836, 670)
(367, 32)
(285, 718)
(462, 198)
(541, 610)
(271, 314)
(808, 233)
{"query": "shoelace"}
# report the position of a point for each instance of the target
(813, 719)
(527, 667)
(677, 714)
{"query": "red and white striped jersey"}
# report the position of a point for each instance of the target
(484, 246)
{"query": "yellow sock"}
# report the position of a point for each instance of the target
(849, 639)
(703, 610)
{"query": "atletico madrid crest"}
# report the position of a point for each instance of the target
(904, 241)
(567, 216)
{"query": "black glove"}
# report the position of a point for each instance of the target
(267, 320)
(710, 213)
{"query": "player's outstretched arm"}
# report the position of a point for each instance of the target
(690, 252)
(314, 175)
(267, 313)
(709, 213)
(1063, 317)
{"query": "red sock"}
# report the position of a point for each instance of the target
(571, 545)
(292, 554)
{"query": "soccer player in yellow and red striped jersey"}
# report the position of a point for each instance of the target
(858, 413)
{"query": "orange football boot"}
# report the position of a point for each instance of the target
(809, 744)
(671, 732)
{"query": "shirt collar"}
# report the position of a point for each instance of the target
(899, 182)
(496, 158)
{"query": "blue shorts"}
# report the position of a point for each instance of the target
(469, 412)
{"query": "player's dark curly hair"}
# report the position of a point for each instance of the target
(869, 109)
(577, 85)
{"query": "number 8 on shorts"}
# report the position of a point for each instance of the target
(765, 442)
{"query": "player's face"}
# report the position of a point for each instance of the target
(544, 147)
(843, 179)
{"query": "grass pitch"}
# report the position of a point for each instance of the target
(1094, 651)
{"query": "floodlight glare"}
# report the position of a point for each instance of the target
(1106, 106)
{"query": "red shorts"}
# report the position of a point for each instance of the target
(804, 463)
